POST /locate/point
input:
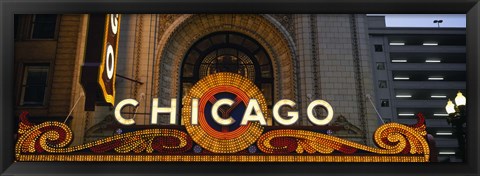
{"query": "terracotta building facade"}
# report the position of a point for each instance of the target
(288, 56)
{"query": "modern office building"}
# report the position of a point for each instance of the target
(416, 70)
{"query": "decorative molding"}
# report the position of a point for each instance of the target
(164, 22)
(285, 24)
(362, 113)
(85, 127)
(97, 131)
(286, 20)
(350, 129)
(49, 141)
(138, 51)
(315, 59)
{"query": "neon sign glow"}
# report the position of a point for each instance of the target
(225, 118)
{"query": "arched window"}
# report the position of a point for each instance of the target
(228, 52)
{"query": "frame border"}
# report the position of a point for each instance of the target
(10, 7)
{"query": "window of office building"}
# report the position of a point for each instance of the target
(378, 48)
(382, 84)
(43, 26)
(384, 103)
(34, 85)
(380, 65)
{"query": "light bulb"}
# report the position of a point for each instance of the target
(450, 108)
(460, 100)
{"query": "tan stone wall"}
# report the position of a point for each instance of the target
(33, 51)
(60, 53)
(337, 69)
(303, 32)
(64, 68)
(78, 121)
(327, 69)
(65, 55)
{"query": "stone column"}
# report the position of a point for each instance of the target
(303, 40)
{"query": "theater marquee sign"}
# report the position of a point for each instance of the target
(225, 120)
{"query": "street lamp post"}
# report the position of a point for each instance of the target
(457, 118)
(438, 22)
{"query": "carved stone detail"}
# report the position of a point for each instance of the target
(100, 130)
(165, 20)
(349, 130)
(287, 21)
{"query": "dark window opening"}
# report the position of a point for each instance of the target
(384, 103)
(382, 84)
(34, 85)
(378, 48)
(44, 26)
(380, 65)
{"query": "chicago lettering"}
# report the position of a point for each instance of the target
(253, 112)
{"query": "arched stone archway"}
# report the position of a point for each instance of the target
(187, 29)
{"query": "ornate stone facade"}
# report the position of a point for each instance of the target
(312, 56)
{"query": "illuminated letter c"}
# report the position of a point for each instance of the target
(118, 113)
(217, 118)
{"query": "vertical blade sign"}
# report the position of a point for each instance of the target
(107, 70)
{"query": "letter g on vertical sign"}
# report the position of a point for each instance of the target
(107, 69)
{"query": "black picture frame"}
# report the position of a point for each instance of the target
(11, 7)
